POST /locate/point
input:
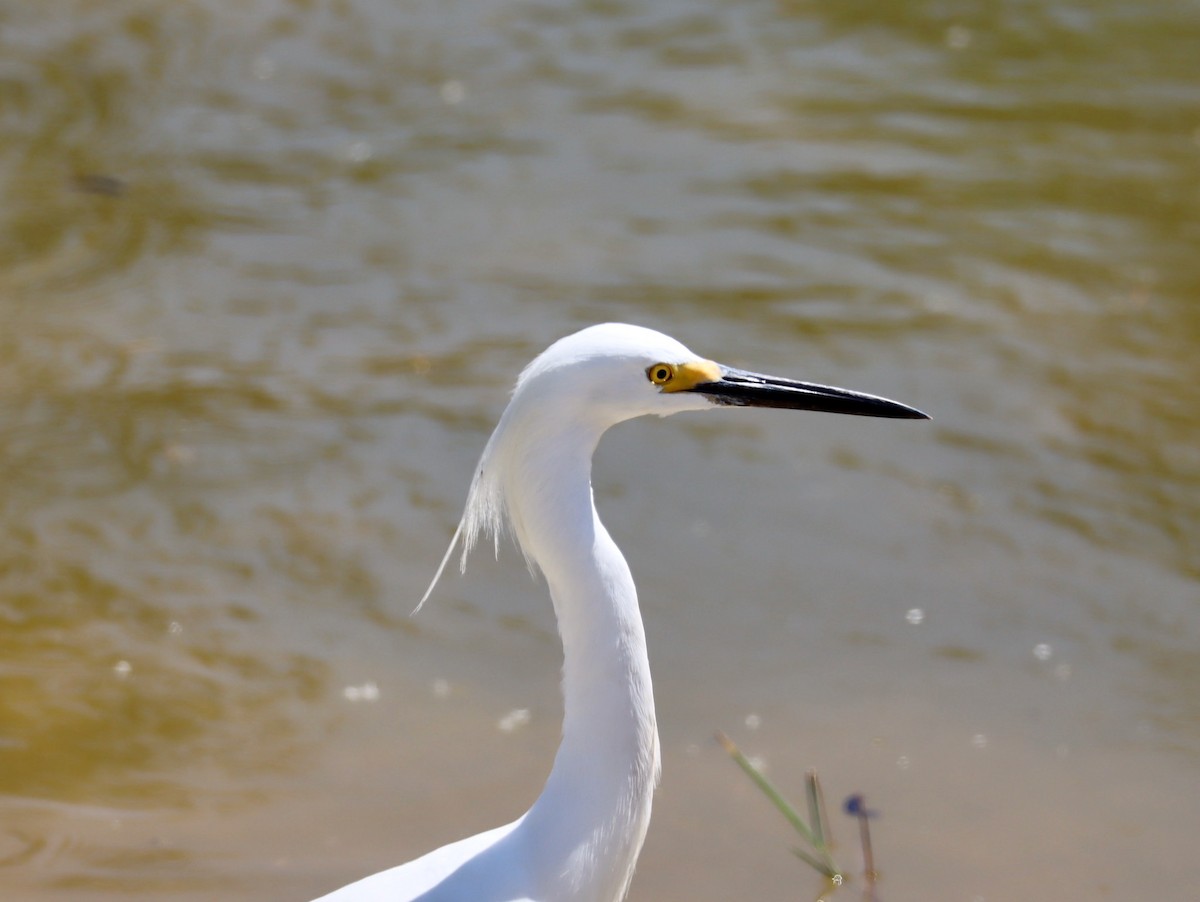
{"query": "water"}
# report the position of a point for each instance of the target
(268, 270)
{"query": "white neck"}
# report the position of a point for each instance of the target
(591, 818)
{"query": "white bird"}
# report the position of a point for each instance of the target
(580, 840)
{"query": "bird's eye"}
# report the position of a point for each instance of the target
(661, 373)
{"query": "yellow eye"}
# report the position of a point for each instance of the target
(661, 373)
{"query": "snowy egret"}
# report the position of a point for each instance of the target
(580, 840)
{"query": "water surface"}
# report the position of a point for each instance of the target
(268, 270)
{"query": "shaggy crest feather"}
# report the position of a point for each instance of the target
(484, 515)
(486, 512)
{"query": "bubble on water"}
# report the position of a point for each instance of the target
(958, 37)
(753, 721)
(122, 669)
(177, 454)
(440, 688)
(359, 152)
(453, 92)
(367, 692)
(979, 741)
(514, 720)
(915, 616)
(1042, 651)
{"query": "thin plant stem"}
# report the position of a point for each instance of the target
(864, 836)
(822, 861)
(816, 809)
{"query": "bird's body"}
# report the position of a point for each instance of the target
(581, 838)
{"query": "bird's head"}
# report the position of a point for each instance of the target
(605, 374)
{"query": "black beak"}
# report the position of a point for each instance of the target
(739, 388)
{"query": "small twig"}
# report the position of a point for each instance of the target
(856, 806)
(864, 836)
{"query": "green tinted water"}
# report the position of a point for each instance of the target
(267, 271)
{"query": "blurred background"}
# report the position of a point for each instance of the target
(268, 270)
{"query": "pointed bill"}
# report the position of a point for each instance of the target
(740, 388)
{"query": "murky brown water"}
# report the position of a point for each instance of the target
(267, 270)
